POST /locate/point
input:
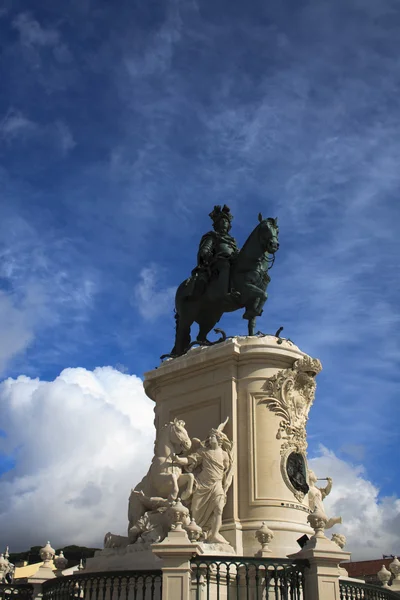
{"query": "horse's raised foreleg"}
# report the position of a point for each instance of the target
(186, 479)
(175, 488)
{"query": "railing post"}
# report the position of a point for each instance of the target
(44, 573)
(322, 576)
(176, 551)
(395, 569)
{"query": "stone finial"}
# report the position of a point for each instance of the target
(7, 553)
(194, 531)
(264, 535)
(47, 554)
(318, 520)
(178, 515)
(395, 568)
(384, 576)
(4, 566)
(339, 539)
(60, 561)
(81, 566)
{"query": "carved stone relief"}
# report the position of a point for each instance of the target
(183, 470)
(290, 394)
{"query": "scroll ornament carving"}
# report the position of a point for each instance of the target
(290, 395)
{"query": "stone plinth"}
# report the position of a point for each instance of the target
(176, 552)
(322, 576)
(266, 389)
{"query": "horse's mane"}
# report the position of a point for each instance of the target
(253, 233)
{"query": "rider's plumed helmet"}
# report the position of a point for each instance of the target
(219, 213)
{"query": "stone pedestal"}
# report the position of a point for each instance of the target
(176, 551)
(266, 389)
(322, 577)
(44, 573)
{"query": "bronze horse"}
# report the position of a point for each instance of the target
(249, 279)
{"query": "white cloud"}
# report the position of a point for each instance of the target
(32, 33)
(16, 124)
(80, 442)
(45, 286)
(157, 54)
(34, 37)
(152, 300)
(20, 315)
(371, 523)
(64, 137)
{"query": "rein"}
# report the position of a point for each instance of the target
(270, 262)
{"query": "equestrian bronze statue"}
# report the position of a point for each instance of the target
(225, 279)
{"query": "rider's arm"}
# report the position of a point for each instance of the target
(206, 249)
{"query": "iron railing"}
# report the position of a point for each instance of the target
(16, 591)
(353, 590)
(233, 578)
(113, 585)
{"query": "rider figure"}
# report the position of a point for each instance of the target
(216, 250)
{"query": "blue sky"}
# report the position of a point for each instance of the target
(120, 128)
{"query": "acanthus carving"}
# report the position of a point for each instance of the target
(290, 396)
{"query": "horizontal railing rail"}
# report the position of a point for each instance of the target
(112, 585)
(256, 578)
(15, 591)
(353, 590)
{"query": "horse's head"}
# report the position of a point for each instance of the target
(268, 231)
(178, 435)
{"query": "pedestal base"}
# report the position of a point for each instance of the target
(266, 387)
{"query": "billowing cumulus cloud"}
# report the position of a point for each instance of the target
(371, 523)
(79, 443)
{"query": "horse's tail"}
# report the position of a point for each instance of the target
(185, 311)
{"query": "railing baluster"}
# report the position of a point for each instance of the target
(208, 580)
(218, 579)
(237, 582)
(228, 581)
(198, 579)
(352, 590)
(152, 587)
(257, 581)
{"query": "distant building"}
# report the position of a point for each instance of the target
(367, 569)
